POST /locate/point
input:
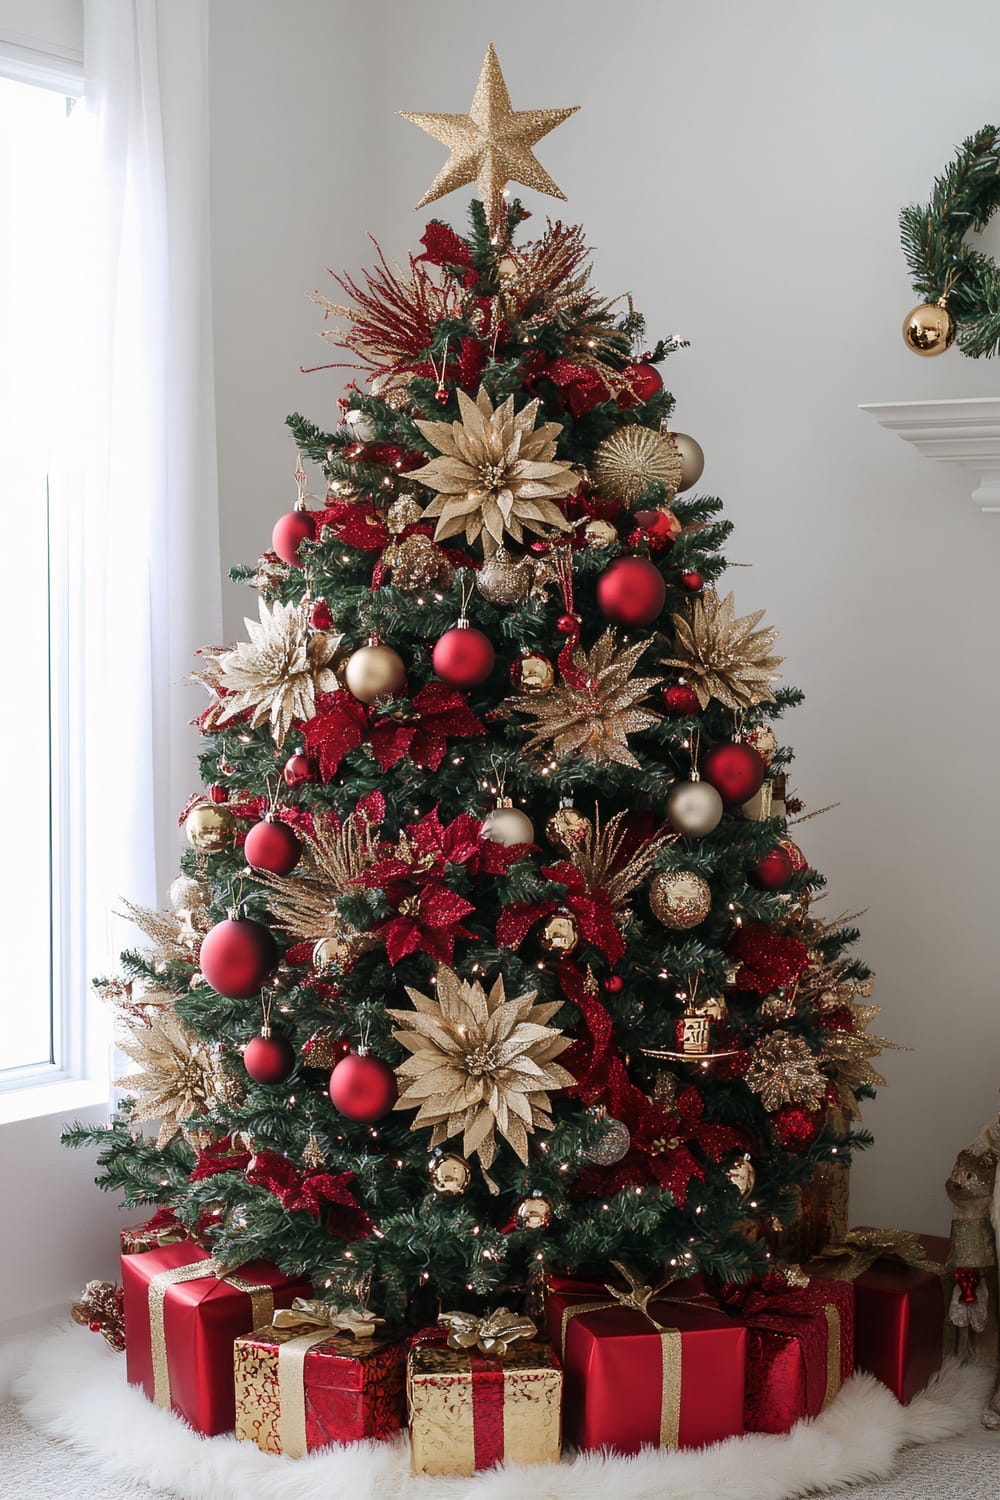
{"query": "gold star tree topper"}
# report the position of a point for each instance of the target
(491, 145)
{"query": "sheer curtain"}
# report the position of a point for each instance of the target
(146, 590)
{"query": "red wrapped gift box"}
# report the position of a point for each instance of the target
(899, 1316)
(182, 1314)
(645, 1368)
(800, 1350)
(299, 1388)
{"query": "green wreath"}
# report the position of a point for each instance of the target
(945, 270)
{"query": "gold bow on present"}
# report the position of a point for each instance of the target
(306, 1312)
(636, 1294)
(861, 1248)
(492, 1334)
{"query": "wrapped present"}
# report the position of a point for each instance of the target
(800, 1348)
(899, 1303)
(182, 1312)
(663, 1367)
(821, 1205)
(164, 1228)
(318, 1376)
(480, 1391)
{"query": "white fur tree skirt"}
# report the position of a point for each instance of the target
(72, 1387)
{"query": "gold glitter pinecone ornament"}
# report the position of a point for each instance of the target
(633, 458)
(417, 565)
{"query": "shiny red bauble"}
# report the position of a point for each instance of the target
(643, 383)
(236, 957)
(773, 872)
(693, 582)
(463, 657)
(795, 855)
(631, 591)
(269, 1059)
(614, 984)
(681, 699)
(736, 771)
(218, 793)
(566, 624)
(298, 526)
(273, 847)
(796, 1128)
(363, 1087)
(298, 769)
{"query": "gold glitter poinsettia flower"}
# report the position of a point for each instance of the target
(724, 657)
(783, 1069)
(179, 1075)
(597, 718)
(480, 1064)
(496, 475)
(278, 672)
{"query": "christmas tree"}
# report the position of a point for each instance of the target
(492, 954)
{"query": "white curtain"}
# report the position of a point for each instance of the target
(147, 585)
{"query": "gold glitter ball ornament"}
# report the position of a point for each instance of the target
(560, 934)
(599, 534)
(567, 828)
(742, 1175)
(929, 329)
(631, 459)
(374, 672)
(504, 579)
(209, 828)
(692, 459)
(449, 1173)
(534, 1212)
(533, 674)
(679, 899)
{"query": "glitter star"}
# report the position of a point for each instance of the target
(491, 145)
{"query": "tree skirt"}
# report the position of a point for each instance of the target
(72, 1387)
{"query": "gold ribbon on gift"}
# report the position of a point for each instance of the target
(636, 1296)
(492, 1334)
(310, 1313)
(833, 1352)
(861, 1248)
(261, 1299)
(322, 1320)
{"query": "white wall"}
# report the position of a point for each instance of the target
(740, 168)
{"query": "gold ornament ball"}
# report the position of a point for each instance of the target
(599, 534)
(534, 1213)
(507, 268)
(567, 828)
(694, 808)
(742, 1175)
(374, 672)
(929, 329)
(209, 829)
(692, 459)
(560, 934)
(503, 579)
(627, 462)
(331, 950)
(450, 1174)
(533, 674)
(679, 899)
(507, 825)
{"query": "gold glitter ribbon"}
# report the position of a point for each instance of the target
(310, 1312)
(492, 1334)
(832, 1315)
(261, 1298)
(637, 1297)
(860, 1248)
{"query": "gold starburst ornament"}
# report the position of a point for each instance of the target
(723, 657)
(497, 475)
(631, 459)
(276, 675)
(179, 1075)
(480, 1064)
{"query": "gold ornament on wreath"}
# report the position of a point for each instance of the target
(631, 459)
(930, 328)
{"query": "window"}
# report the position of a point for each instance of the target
(39, 181)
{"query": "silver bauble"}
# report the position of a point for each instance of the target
(694, 808)
(612, 1146)
(361, 426)
(185, 894)
(508, 826)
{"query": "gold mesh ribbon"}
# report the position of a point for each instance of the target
(860, 1248)
(492, 1334)
(833, 1337)
(637, 1297)
(261, 1298)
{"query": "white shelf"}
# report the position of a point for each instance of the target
(966, 433)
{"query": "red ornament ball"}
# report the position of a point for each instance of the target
(236, 957)
(773, 872)
(363, 1087)
(298, 768)
(796, 857)
(269, 1059)
(566, 624)
(643, 382)
(95, 1325)
(272, 846)
(657, 528)
(218, 793)
(693, 582)
(289, 531)
(320, 617)
(614, 984)
(463, 657)
(796, 1128)
(442, 397)
(681, 699)
(631, 591)
(736, 771)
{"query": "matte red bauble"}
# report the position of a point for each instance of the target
(736, 771)
(298, 526)
(363, 1087)
(273, 847)
(236, 957)
(773, 872)
(463, 657)
(795, 1128)
(269, 1059)
(681, 699)
(631, 591)
(693, 582)
(298, 769)
(643, 383)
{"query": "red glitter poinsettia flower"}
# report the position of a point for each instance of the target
(311, 1192)
(339, 725)
(592, 910)
(426, 921)
(438, 714)
(443, 247)
(355, 523)
(219, 1156)
(767, 959)
(430, 846)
